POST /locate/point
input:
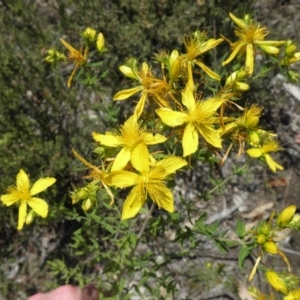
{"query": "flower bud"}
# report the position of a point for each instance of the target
(89, 35)
(269, 49)
(264, 228)
(260, 239)
(175, 65)
(270, 247)
(254, 138)
(293, 295)
(241, 86)
(290, 48)
(295, 58)
(87, 204)
(128, 72)
(30, 217)
(286, 216)
(100, 44)
(276, 282)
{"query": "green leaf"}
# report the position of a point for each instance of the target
(240, 228)
(244, 252)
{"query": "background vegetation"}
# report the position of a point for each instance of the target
(41, 120)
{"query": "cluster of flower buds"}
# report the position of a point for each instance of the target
(87, 194)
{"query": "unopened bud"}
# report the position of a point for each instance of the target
(30, 217)
(127, 71)
(270, 247)
(276, 282)
(260, 239)
(100, 44)
(286, 216)
(89, 35)
(241, 86)
(254, 138)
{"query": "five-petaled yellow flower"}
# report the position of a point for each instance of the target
(130, 135)
(150, 181)
(199, 119)
(271, 146)
(78, 57)
(148, 86)
(23, 195)
(251, 37)
(197, 44)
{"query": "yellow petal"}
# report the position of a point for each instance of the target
(22, 214)
(161, 195)
(109, 139)
(124, 94)
(41, 185)
(140, 105)
(211, 43)
(68, 46)
(211, 135)
(122, 179)
(254, 152)
(188, 99)
(170, 117)
(134, 202)
(249, 59)
(121, 160)
(171, 164)
(236, 49)
(150, 139)
(10, 199)
(23, 181)
(208, 71)
(39, 206)
(140, 158)
(239, 22)
(190, 140)
(272, 163)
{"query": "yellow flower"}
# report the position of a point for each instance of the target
(150, 181)
(198, 120)
(130, 135)
(286, 216)
(271, 146)
(23, 195)
(78, 57)
(251, 37)
(293, 295)
(197, 44)
(276, 281)
(149, 86)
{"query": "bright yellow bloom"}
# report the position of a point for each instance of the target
(293, 295)
(130, 135)
(23, 195)
(150, 181)
(78, 57)
(271, 146)
(149, 86)
(197, 44)
(286, 216)
(198, 119)
(251, 37)
(276, 282)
